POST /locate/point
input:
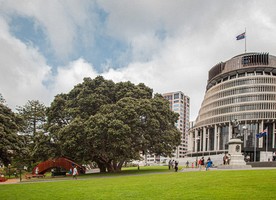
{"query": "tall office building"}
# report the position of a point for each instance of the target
(180, 104)
(239, 91)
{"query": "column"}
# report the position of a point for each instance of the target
(208, 140)
(261, 128)
(273, 135)
(196, 137)
(200, 140)
(219, 132)
(215, 137)
(230, 131)
(204, 138)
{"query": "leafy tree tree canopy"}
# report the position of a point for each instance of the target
(111, 123)
(36, 146)
(9, 140)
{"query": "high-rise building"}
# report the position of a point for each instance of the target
(240, 98)
(180, 104)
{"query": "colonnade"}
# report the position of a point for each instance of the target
(215, 137)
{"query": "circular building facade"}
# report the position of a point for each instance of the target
(241, 90)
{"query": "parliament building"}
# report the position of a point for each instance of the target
(241, 90)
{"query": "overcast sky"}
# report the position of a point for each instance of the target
(47, 47)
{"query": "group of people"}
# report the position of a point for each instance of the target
(200, 163)
(226, 159)
(173, 164)
(207, 165)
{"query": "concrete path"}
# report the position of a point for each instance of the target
(11, 181)
(215, 169)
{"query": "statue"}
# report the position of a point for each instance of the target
(235, 128)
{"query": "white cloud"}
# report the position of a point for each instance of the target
(69, 76)
(173, 43)
(61, 21)
(20, 77)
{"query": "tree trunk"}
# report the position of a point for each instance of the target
(102, 167)
(110, 166)
(120, 165)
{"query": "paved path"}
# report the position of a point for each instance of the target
(11, 181)
(216, 169)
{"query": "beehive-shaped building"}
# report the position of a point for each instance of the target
(242, 89)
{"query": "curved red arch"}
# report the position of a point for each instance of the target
(57, 162)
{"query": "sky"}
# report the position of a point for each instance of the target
(47, 47)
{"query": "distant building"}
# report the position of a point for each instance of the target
(180, 104)
(242, 89)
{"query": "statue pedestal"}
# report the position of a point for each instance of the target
(236, 157)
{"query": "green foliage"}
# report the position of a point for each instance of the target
(9, 126)
(37, 145)
(110, 123)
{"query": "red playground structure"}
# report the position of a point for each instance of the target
(60, 163)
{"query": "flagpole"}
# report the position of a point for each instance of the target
(266, 142)
(255, 138)
(245, 41)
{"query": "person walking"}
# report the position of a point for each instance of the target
(170, 164)
(209, 164)
(202, 162)
(173, 164)
(75, 172)
(187, 164)
(199, 164)
(176, 166)
(36, 170)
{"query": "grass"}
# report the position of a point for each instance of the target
(244, 184)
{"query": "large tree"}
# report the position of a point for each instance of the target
(10, 143)
(111, 123)
(37, 145)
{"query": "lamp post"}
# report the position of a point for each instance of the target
(9, 170)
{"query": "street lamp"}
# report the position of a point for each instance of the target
(9, 169)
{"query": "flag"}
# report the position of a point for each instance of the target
(261, 134)
(264, 133)
(240, 36)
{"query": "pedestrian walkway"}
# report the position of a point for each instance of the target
(196, 169)
(11, 181)
(215, 168)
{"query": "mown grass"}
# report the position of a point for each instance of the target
(244, 184)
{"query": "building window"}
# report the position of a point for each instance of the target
(176, 96)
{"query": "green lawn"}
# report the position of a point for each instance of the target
(244, 184)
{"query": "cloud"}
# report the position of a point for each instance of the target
(169, 45)
(70, 75)
(20, 77)
(61, 21)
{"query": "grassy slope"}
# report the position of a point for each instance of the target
(251, 184)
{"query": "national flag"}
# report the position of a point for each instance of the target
(261, 134)
(240, 36)
(264, 133)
